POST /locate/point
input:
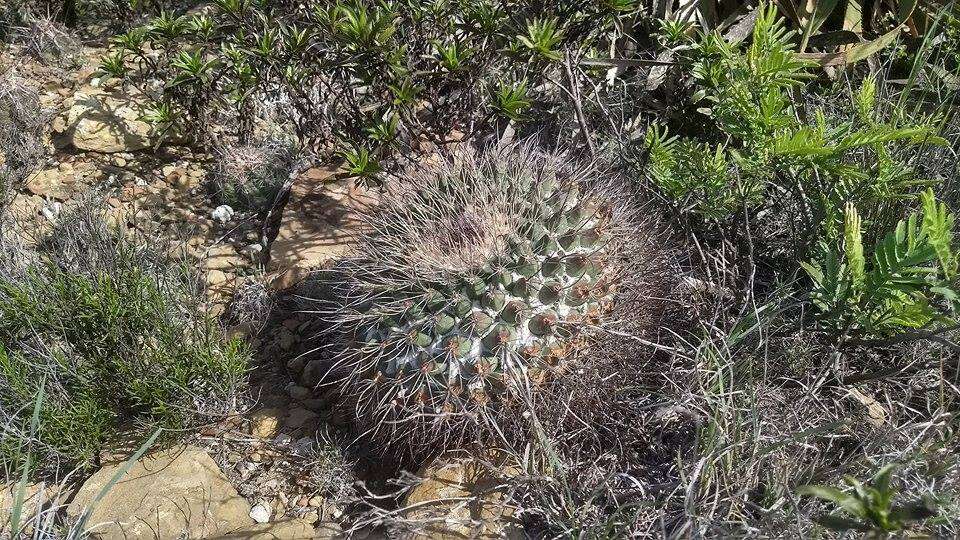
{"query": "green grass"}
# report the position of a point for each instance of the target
(116, 348)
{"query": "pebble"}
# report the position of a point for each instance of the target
(260, 513)
(52, 211)
(253, 250)
(264, 423)
(223, 214)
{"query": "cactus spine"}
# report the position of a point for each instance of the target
(473, 278)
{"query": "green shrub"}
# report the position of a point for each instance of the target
(112, 334)
(907, 281)
(367, 77)
(760, 146)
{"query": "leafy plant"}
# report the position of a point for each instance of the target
(361, 163)
(907, 282)
(427, 66)
(107, 331)
(542, 37)
(871, 508)
(762, 145)
(511, 100)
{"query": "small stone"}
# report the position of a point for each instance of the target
(316, 501)
(296, 364)
(283, 439)
(315, 405)
(51, 183)
(314, 371)
(215, 278)
(298, 417)
(52, 211)
(287, 339)
(256, 457)
(260, 513)
(265, 423)
(253, 251)
(114, 202)
(222, 214)
(311, 517)
(304, 446)
(118, 161)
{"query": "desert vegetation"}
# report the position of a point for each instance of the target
(479, 268)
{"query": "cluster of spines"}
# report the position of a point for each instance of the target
(468, 330)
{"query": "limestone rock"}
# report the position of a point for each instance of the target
(288, 529)
(319, 225)
(108, 122)
(51, 183)
(438, 500)
(170, 494)
(264, 423)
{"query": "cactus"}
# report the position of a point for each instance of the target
(474, 279)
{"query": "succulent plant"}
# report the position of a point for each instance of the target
(474, 280)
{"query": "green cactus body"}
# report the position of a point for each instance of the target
(472, 275)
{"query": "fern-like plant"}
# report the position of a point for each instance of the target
(762, 145)
(907, 281)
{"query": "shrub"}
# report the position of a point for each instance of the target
(762, 155)
(369, 77)
(113, 335)
(908, 282)
(248, 177)
(477, 279)
(22, 125)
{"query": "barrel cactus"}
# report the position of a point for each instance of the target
(476, 279)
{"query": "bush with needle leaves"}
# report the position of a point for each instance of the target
(906, 281)
(871, 508)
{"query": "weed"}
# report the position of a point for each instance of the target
(111, 332)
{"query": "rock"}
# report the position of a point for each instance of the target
(298, 417)
(178, 178)
(108, 122)
(296, 364)
(438, 500)
(260, 513)
(286, 339)
(327, 531)
(170, 494)
(224, 257)
(35, 496)
(298, 392)
(264, 423)
(252, 251)
(217, 279)
(319, 225)
(288, 529)
(52, 211)
(222, 214)
(314, 371)
(51, 183)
